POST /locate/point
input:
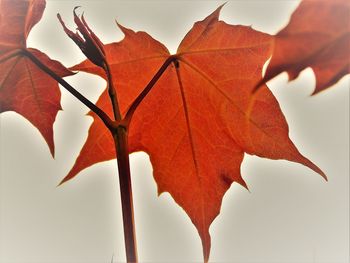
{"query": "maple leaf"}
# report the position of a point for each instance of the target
(317, 36)
(197, 121)
(24, 88)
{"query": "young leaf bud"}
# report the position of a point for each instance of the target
(86, 40)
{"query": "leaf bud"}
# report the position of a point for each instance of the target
(86, 40)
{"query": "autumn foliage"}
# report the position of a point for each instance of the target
(25, 89)
(206, 108)
(317, 36)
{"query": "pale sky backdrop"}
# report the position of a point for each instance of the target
(290, 215)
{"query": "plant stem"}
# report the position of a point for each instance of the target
(120, 136)
(100, 113)
(121, 144)
(112, 93)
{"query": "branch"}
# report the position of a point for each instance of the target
(100, 113)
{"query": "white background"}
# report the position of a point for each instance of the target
(290, 215)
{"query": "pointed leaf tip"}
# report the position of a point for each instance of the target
(214, 16)
(126, 31)
(320, 172)
(243, 183)
(206, 244)
(64, 180)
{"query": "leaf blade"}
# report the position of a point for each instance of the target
(317, 36)
(24, 88)
(198, 120)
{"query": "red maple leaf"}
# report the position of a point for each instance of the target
(24, 88)
(198, 120)
(317, 36)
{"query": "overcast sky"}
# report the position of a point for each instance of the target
(290, 214)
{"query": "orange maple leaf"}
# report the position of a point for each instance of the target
(197, 121)
(317, 36)
(24, 88)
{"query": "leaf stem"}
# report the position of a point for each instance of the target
(121, 144)
(100, 113)
(148, 88)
